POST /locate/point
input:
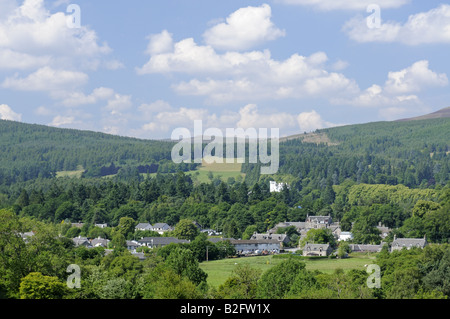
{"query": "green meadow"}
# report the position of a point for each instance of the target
(219, 270)
(208, 171)
(76, 174)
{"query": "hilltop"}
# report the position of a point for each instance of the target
(408, 152)
(28, 151)
(443, 113)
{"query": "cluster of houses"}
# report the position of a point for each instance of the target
(318, 222)
(268, 243)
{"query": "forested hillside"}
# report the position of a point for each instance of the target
(415, 154)
(29, 151)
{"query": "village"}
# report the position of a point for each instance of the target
(267, 243)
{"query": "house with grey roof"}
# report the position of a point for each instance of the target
(81, 241)
(408, 243)
(297, 225)
(100, 242)
(153, 242)
(318, 221)
(161, 228)
(384, 231)
(256, 246)
(143, 226)
(317, 250)
(366, 248)
(282, 238)
(132, 245)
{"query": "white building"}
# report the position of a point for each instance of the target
(276, 187)
(255, 246)
(345, 235)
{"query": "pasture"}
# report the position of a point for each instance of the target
(219, 270)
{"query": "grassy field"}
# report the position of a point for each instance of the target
(220, 170)
(219, 270)
(76, 174)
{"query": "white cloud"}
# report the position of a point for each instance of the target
(156, 107)
(311, 121)
(236, 76)
(119, 103)
(113, 65)
(47, 79)
(20, 61)
(160, 43)
(244, 29)
(249, 116)
(60, 120)
(399, 89)
(414, 79)
(326, 85)
(376, 96)
(422, 28)
(182, 117)
(43, 111)
(328, 5)
(186, 57)
(6, 113)
(31, 31)
(79, 98)
(340, 65)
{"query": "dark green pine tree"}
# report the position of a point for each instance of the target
(242, 193)
(23, 200)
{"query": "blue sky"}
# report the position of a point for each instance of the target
(144, 68)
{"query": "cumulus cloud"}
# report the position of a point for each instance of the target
(400, 88)
(428, 27)
(77, 98)
(249, 116)
(236, 76)
(47, 79)
(60, 120)
(311, 121)
(160, 43)
(6, 113)
(12, 60)
(158, 106)
(414, 78)
(118, 103)
(244, 29)
(31, 33)
(328, 5)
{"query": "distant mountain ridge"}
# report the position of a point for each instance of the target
(320, 136)
(443, 113)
